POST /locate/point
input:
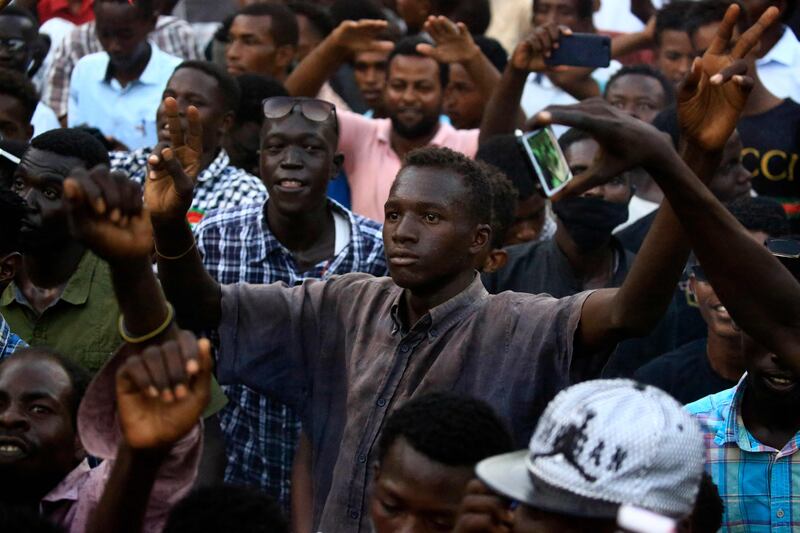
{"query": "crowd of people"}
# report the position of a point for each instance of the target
(292, 269)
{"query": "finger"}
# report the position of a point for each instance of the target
(108, 202)
(194, 137)
(545, 42)
(130, 194)
(725, 30)
(750, 38)
(204, 359)
(725, 75)
(154, 160)
(135, 378)
(157, 371)
(93, 200)
(746, 83)
(183, 184)
(426, 49)
(73, 187)
(568, 117)
(692, 80)
(189, 352)
(382, 46)
(176, 368)
(554, 31)
(173, 122)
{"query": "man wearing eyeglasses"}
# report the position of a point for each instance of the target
(18, 33)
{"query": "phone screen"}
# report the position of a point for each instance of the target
(547, 159)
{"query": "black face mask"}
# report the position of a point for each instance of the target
(590, 221)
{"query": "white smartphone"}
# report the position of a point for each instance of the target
(546, 158)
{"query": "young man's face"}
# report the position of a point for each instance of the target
(637, 95)
(194, 87)
(463, 102)
(38, 442)
(562, 12)
(369, 70)
(768, 377)
(14, 120)
(413, 96)
(39, 180)
(16, 42)
(414, 494)
(674, 55)
(429, 236)
(251, 48)
(731, 181)
(298, 158)
(122, 31)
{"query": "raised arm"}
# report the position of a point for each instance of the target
(321, 63)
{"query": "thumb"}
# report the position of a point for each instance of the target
(692, 79)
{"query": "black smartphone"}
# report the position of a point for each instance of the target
(581, 50)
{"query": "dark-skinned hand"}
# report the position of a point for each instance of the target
(162, 392)
(454, 43)
(531, 52)
(714, 93)
(625, 142)
(174, 166)
(106, 213)
(482, 511)
(356, 36)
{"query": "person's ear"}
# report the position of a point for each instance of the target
(284, 56)
(29, 131)
(227, 123)
(9, 265)
(483, 235)
(496, 260)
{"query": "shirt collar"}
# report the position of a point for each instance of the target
(216, 168)
(784, 51)
(76, 292)
(445, 314)
(69, 488)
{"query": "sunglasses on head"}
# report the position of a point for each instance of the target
(311, 108)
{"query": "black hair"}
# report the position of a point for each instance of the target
(79, 377)
(572, 136)
(505, 153)
(71, 142)
(493, 51)
(17, 11)
(475, 176)
(226, 509)
(283, 29)
(408, 47)
(342, 10)
(706, 516)
(760, 214)
(708, 12)
(19, 519)
(584, 9)
(504, 206)
(12, 211)
(475, 14)
(227, 84)
(17, 85)
(146, 8)
(256, 88)
(672, 17)
(451, 429)
(644, 70)
(316, 15)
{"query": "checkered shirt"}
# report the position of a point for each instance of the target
(172, 35)
(238, 247)
(9, 342)
(759, 485)
(219, 186)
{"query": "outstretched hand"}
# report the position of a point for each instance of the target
(531, 52)
(713, 95)
(162, 392)
(454, 43)
(105, 212)
(174, 167)
(625, 142)
(361, 36)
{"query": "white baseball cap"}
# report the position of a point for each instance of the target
(601, 444)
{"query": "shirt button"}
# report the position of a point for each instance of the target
(780, 513)
(381, 402)
(362, 458)
(434, 333)
(354, 515)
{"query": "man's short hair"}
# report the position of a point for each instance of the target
(650, 72)
(760, 214)
(256, 88)
(226, 509)
(283, 29)
(474, 175)
(451, 429)
(12, 211)
(146, 8)
(17, 85)
(504, 153)
(227, 84)
(493, 51)
(17, 11)
(475, 14)
(79, 377)
(408, 47)
(708, 12)
(672, 17)
(316, 15)
(71, 142)
(504, 206)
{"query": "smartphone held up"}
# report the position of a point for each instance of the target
(581, 50)
(546, 159)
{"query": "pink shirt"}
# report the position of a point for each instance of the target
(72, 501)
(371, 164)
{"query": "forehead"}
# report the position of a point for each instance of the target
(28, 374)
(10, 105)
(371, 57)
(581, 152)
(701, 39)
(252, 25)
(459, 74)
(429, 185)
(106, 12)
(571, 5)
(191, 80)
(295, 125)
(15, 26)
(414, 67)
(37, 162)
(637, 85)
(675, 39)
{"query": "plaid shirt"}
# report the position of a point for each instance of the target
(238, 247)
(9, 342)
(219, 186)
(172, 35)
(759, 485)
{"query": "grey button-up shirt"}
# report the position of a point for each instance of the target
(338, 352)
